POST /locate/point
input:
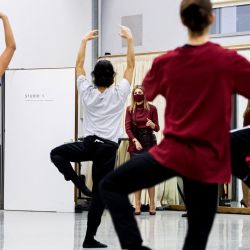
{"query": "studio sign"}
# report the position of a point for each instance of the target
(36, 97)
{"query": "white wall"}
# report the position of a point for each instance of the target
(162, 29)
(48, 33)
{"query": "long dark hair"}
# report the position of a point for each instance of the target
(195, 15)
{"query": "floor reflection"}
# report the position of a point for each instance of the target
(66, 231)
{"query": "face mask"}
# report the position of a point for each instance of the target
(138, 98)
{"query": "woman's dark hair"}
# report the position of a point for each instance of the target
(195, 14)
(103, 73)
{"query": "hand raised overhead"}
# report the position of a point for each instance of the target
(125, 32)
(91, 35)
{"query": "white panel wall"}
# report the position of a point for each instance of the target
(40, 115)
(162, 29)
(48, 33)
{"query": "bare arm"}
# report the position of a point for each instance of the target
(82, 52)
(126, 33)
(10, 43)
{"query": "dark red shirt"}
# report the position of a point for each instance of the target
(139, 118)
(197, 83)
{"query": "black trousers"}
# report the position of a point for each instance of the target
(240, 149)
(103, 154)
(143, 172)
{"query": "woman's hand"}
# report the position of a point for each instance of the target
(150, 124)
(138, 145)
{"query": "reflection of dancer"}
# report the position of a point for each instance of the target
(193, 79)
(245, 189)
(10, 48)
(141, 121)
(104, 105)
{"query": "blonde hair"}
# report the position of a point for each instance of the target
(133, 103)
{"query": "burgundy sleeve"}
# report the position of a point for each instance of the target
(128, 123)
(152, 81)
(240, 68)
(155, 119)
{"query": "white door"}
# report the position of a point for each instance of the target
(39, 115)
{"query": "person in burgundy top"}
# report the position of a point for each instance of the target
(141, 121)
(197, 81)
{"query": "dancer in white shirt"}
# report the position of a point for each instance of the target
(103, 103)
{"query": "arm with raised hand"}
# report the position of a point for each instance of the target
(82, 52)
(10, 43)
(126, 33)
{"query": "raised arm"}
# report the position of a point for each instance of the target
(126, 33)
(82, 52)
(10, 43)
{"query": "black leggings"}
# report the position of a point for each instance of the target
(143, 172)
(103, 154)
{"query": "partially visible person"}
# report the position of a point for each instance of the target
(104, 104)
(240, 151)
(245, 189)
(10, 44)
(197, 81)
(141, 121)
